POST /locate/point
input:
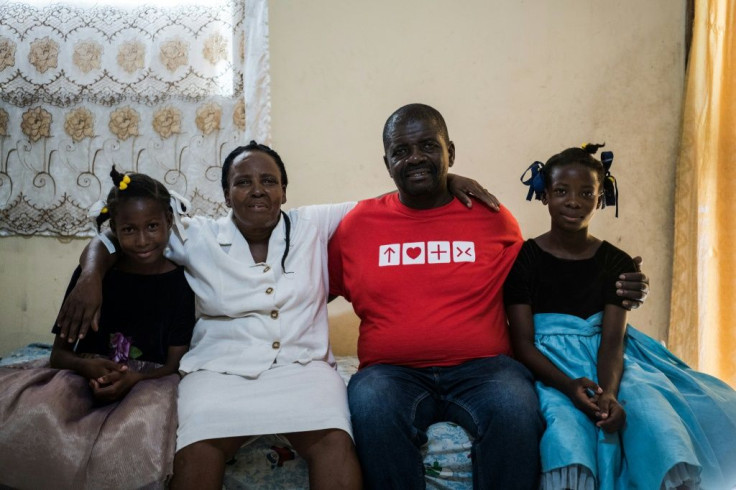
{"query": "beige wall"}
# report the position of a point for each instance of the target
(516, 81)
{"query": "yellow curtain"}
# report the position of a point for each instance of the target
(703, 311)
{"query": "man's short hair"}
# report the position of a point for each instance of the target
(414, 112)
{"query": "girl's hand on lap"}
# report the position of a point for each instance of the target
(584, 395)
(99, 367)
(612, 415)
(112, 376)
(120, 383)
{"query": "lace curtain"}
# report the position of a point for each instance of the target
(703, 282)
(163, 90)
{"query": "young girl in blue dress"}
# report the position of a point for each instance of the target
(104, 414)
(622, 411)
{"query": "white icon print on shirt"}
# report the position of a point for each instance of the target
(463, 252)
(412, 253)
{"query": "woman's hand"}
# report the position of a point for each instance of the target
(81, 308)
(634, 286)
(465, 189)
(584, 395)
(612, 415)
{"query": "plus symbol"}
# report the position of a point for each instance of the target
(438, 251)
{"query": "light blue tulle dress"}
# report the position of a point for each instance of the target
(680, 423)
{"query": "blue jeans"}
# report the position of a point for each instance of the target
(493, 399)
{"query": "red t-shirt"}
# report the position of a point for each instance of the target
(426, 284)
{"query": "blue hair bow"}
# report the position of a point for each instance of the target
(610, 187)
(535, 181)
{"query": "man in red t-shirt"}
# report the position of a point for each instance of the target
(425, 275)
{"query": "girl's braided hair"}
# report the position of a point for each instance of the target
(132, 186)
(582, 155)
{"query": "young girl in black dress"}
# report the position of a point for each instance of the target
(622, 412)
(104, 415)
(148, 309)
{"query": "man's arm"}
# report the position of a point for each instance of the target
(81, 308)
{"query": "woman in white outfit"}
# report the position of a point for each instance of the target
(260, 361)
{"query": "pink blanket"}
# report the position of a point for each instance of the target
(54, 435)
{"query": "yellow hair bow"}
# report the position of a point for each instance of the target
(124, 183)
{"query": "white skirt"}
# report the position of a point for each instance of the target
(284, 399)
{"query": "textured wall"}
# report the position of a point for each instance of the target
(516, 81)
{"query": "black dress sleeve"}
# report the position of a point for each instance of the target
(517, 289)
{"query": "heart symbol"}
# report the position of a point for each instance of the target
(413, 252)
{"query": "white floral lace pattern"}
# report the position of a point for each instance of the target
(158, 90)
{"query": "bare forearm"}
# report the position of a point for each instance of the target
(542, 368)
(611, 350)
(160, 372)
(610, 368)
(521, 332)
(63, 359)
(173, 357)
(96, 259)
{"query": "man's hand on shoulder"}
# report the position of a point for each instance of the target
(633, 286)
